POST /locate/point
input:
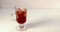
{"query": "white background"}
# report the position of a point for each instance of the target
(42, 15)
(30, 3)
(38, 20)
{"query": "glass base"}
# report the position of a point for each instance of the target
(21, 28)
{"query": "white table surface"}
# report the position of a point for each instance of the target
(38, 20)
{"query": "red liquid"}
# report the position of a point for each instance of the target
(20, 17)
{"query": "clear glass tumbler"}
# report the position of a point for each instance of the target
(21, 15)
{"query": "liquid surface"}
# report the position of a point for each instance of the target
(21, 17)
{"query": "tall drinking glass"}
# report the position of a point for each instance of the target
(20, 13)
